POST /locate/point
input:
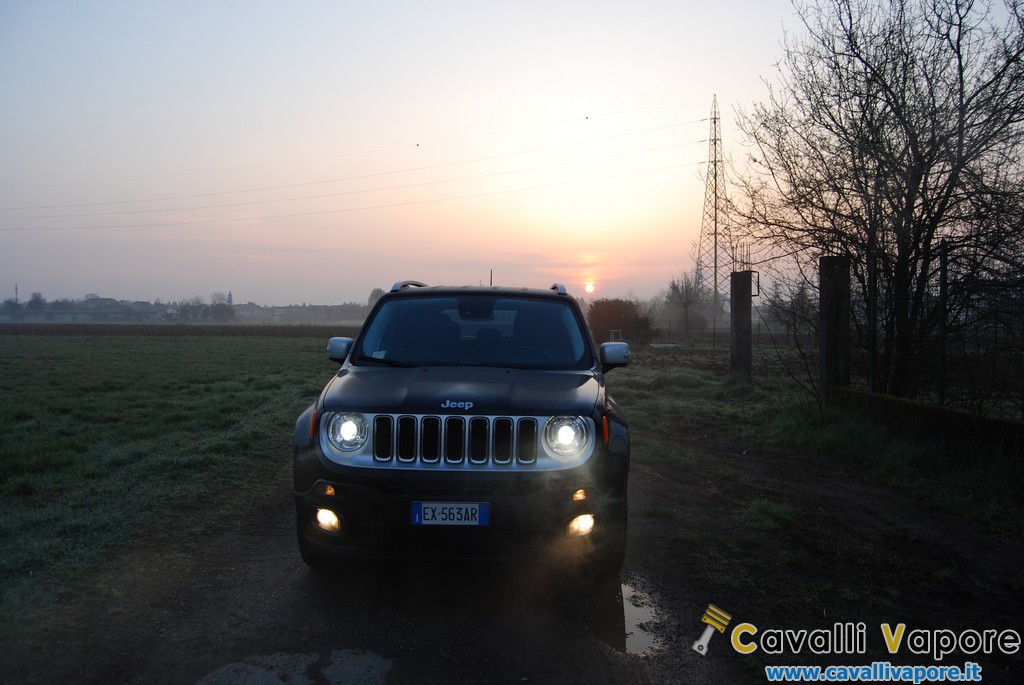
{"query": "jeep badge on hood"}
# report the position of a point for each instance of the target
(451, 404)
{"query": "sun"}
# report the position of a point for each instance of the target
(589, 287)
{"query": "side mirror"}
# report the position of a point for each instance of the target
(338, 349)
(614, 354)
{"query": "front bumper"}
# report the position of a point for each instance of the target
(529, 516)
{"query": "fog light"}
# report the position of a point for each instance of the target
(328, 521)
(581, 525)
(579, 496)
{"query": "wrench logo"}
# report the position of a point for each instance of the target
(716, 620)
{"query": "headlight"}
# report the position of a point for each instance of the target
(565, 436)
(347, 432)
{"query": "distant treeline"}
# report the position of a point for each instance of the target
(210, 330)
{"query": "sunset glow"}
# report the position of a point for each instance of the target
(314, 156)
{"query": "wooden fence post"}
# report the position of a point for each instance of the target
(834, 324)
(740, 331)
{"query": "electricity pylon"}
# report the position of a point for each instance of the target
(713, 263)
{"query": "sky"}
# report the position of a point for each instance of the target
(309, 152)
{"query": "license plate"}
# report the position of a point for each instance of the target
(451, 513)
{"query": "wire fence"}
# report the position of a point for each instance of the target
(971, 359)
(980, 365)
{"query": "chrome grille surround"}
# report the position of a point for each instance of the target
(440, 442)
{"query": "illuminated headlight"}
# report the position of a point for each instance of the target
(348, 432)
(565, 436)
(581, 526)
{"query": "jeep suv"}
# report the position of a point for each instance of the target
(466, 422)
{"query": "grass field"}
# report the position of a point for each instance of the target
(665, 386)
(110, 442)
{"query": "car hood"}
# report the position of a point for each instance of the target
(462, 390)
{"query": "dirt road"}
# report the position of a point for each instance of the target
(238, 605)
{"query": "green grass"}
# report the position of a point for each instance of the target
(109, 441)
(665, 387)
(975, 481)
(766, 514)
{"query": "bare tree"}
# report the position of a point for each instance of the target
(790, 311)
(687, 294)
(895, 124)
(192, 309)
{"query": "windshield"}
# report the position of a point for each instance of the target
(476, 330)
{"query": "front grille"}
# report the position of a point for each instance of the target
(454, 440)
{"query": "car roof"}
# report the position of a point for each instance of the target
(415, 287)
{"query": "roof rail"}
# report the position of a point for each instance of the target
(558, 288)
(402, 285)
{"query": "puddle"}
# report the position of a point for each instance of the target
(627, 620)
(639, 618)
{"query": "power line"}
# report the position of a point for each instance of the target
(393, 148)
(349, 178)
(201, 222)
(356, 192)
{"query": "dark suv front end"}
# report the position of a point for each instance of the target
(466, 423)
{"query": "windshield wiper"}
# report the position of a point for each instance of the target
(384, 360)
